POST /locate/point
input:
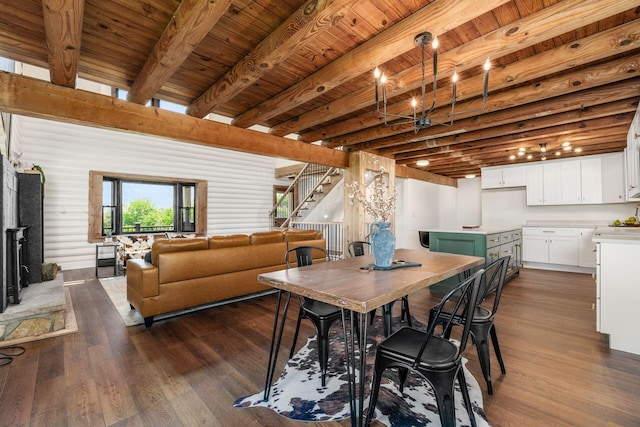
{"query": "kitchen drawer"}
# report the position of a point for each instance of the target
(550, 231)
(506, 237)
(517, 234)
(493, 240)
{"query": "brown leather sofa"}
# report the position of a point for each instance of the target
(186, 273)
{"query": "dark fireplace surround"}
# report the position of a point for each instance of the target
(21, 251)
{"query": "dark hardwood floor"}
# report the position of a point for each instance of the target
(188, 370)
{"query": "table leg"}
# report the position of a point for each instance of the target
(356, 366)
(275, 342)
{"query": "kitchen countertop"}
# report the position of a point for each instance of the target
(479, 230)
(617, 234)
(566, 224)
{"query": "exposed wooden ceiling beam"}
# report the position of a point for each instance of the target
(36, 98)
(189, 25)
(310, 20)
(405, 172)
(63, 31)
(537, 27)
(438, 17)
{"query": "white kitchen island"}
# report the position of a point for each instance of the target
(618, 286)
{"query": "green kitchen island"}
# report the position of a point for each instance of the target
(491, 243)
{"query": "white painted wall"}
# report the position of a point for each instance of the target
(422, 205)
(240, 185)
(469, 202)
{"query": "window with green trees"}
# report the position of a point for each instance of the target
(131, 207)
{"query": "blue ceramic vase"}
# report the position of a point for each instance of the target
(383, 244)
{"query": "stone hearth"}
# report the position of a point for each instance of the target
(41, 311)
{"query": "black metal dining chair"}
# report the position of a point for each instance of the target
(359, 248)
(431, 355)
(321, 314)
(482, 323)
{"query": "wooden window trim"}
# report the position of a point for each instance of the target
(95, 200)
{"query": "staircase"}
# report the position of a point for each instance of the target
(310, 185)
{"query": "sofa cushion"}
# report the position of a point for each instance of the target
(191, 265)
(294, 235)
(232, 240)
(262, 237)
(161, 246)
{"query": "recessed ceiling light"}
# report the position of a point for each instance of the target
(566, 144)
(529, 157)
(471, 175)
(422, 163)
(522, 149)
(578, 150)
(512, 157)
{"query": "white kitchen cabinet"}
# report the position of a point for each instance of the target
(619, 299)
(612, 169)
(587, 248)
(535, 185)
(567, 182)
(591, 180)
(513, 176)
(550, 245)
(632, 157)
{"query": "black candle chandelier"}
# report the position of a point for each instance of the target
(421, 117)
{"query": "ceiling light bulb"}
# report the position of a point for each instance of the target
(578, 150)
(383, 79)
(543, 148)
(566, 147)
(487, 65)
(558, 153)
(512, 157)
(376, 73)
(471, 175)
(414, 102)
(529, 157)
(520, 153)
(455, 77)
(566, 144)
(434, 43)
(522, 149)
(422, 163)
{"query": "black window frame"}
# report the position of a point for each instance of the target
(184, 217)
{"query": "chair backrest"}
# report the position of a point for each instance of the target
(359, 248)
(465, 296)
(304, 255)
(493, 280)
(424, 238)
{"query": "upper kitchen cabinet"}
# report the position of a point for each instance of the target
(503, 177)
(613, 189)
(572, 182)
(632, 155)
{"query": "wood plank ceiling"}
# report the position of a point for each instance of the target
(562, 70)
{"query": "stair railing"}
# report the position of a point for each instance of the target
(308, 187)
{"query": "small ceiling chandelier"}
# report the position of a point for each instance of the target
(421, 117)
(542, 155)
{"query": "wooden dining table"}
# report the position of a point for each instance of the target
(354, 285)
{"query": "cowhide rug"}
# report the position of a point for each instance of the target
(298, 393)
